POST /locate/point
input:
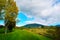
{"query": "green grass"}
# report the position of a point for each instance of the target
(22, 35)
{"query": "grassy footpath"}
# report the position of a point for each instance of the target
(22, 35)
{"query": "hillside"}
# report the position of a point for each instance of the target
(34, 25)
(22, 35)
(58, 25)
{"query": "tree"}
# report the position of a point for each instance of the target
(10, 10)
(10, 15)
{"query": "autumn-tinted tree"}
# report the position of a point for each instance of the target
(10, 10)
(11, 14)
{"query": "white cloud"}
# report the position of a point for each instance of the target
(44, 11)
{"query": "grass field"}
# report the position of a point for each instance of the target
(22, 35)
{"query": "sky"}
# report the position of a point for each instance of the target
(46, 12)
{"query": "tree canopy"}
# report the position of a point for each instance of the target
(11, 10)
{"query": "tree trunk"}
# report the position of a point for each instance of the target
(9, 26)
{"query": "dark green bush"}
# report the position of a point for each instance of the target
(54, 34)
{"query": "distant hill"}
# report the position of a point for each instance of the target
(34, 25)
(58, 25)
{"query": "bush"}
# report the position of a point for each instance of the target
(54, 34)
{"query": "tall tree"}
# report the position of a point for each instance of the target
(11, 14)
(9, 8)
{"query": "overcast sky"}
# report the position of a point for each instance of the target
(46, 12)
